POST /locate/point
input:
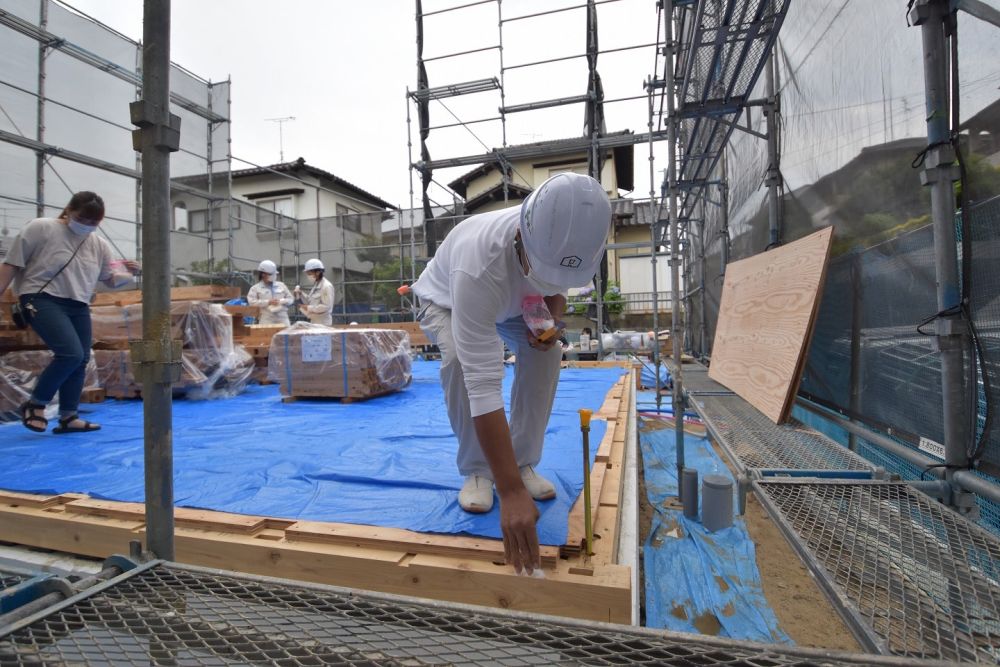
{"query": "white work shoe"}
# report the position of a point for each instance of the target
(476, 495)
(539, 487)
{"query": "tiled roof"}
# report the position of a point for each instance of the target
(300, 165)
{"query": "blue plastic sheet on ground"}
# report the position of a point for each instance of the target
(389, 461)
(698, 581)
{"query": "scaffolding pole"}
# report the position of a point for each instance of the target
(940, 174)
(773, 178)
(677, 397)
(157, 356)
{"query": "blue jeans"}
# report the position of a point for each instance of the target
(64, 325)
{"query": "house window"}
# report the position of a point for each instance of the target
(278, 213)
(197, 221)
(349, 218)
(180, 217)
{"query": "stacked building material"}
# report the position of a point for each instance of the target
(350, 363)
(18, 371)
(211, 362)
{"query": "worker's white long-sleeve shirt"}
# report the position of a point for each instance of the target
(260, 295)
(477, 275)
(319, 298)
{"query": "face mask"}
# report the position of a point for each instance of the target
(544, 288)
(81, 229)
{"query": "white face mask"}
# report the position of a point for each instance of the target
(79, 228)
(544, 288)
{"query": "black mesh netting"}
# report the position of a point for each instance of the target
(984, 232)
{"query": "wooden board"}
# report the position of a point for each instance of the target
(769, 305)
(195, 293)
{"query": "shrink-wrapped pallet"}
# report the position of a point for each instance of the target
(18, 373)
(212, 365)
(349, 363)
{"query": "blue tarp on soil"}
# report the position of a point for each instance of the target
(697, 581)
(389, 461)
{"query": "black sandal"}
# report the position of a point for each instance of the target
(64, 425)
(27, 410)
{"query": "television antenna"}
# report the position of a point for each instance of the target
(281, 139)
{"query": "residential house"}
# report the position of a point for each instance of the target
(286, 212)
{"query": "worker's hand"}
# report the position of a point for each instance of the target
(518, 517)
(272, 302)
(543, 346)
(133, 267)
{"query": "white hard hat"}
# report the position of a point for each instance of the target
(314, 265)
(267, 266)
(564, 227)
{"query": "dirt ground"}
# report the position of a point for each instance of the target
(802, 609)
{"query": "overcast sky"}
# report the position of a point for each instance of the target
(342, 68)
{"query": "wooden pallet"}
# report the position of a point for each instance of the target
(443, 567)
(93, 395)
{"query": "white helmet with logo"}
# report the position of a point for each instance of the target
(564, 228)
(267, 266)
(314, 265)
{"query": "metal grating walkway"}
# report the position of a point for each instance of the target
(754, 442)
(695, 382)
(179, 615)
(924, 579)
(8, 578)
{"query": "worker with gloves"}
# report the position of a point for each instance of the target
(271, 296)
(471, 296)
(317, 303)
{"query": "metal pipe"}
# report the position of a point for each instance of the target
(939, 175)
(654, 215)
(773, 178)
(157, 390)
(677, 397)
(40, 112)
(878, 439)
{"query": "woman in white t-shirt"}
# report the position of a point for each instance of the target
(55, 264)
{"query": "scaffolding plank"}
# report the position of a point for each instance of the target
(768, 309)
(170, 613)
(923, 579)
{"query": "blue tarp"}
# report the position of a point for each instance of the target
(698, 581)
(389, 461)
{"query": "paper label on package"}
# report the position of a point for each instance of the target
(317, 348)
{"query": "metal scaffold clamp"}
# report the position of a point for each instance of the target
(155, 364)
(149, 118)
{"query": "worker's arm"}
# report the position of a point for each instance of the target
(7, 273)
(286, 298)
(325, 304)
(518, 513)
(255, 298)
(475, 305)
(556, 305)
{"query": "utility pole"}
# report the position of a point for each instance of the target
(281, 138)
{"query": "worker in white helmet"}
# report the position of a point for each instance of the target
(271, 296)
(317, 303)
(471, 296)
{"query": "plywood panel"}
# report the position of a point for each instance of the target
(769, 305)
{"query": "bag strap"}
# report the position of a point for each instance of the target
(56, 274)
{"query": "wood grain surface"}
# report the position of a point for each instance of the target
(768, 309)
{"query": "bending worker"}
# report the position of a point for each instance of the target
(271, 296)
(317, 303)
(471, 294)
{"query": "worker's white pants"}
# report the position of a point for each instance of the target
(536, 374)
